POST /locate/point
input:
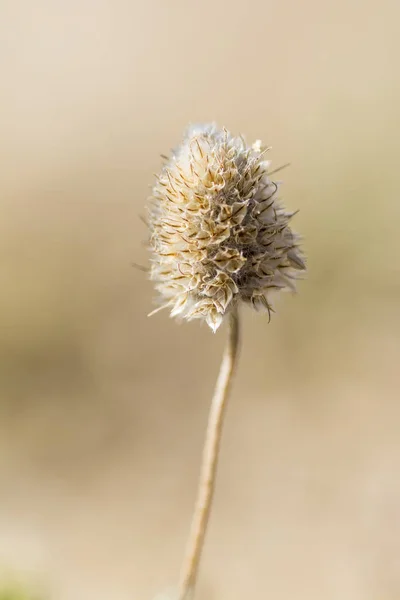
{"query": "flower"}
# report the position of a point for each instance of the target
(218, 233)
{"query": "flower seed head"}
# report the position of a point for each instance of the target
(218, 232)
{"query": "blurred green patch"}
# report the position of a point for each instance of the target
(13, 592)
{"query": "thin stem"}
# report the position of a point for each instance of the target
(209, 462)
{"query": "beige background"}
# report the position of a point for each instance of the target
(102, 410)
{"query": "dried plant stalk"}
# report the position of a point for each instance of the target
(219, 237)
(212, 444)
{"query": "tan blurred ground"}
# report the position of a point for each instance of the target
(102, 410)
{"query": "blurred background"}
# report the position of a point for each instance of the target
(102, 410)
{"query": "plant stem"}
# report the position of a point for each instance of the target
(208, 471)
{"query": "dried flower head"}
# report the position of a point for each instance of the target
(218, 231)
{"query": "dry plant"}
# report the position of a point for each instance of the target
(219, 236)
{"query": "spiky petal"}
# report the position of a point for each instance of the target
(218, 232)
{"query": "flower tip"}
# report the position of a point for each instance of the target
(214, 320)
